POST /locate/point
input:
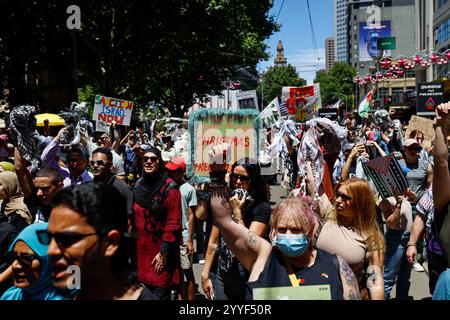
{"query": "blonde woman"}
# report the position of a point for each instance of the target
(349, 228)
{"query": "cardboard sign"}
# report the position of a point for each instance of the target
(209, 128)
(387, 175)
(330, 113)
(111, 110)
(429, 96)
(422, 124)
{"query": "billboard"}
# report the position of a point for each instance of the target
(429, 96)
(368, 37)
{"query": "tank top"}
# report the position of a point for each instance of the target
(324, 271)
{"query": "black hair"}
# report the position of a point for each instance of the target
(53, 174)
(77, 148)
(259, 189)
(104, 209)
(105, 151)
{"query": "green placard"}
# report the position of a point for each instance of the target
(387, 43)
(314, 292)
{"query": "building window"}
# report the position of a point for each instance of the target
(440, 3)
(442, 32)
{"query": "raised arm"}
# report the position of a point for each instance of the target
(23, 175)
(116, 135)
(441, 183)
(48, 157)
(251, 250)
(357, 149)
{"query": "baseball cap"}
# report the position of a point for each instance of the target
(410, 142)
(348, 146)
(176, 164)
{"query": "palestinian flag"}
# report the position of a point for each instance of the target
(364, 106)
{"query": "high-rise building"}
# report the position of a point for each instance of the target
(329, 53)
(280, 60)
(441, 28)
(340, 30)
(369, 20)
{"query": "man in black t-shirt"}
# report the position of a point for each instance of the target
(101, 166)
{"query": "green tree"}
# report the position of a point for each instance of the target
(337, 83)
(275, 78)
(168, 51)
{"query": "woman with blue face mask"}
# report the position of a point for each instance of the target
(290, 260)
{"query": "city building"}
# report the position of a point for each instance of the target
(441, 31)
(369, 20)
(280, 59)
(329, 53)
(340, 30)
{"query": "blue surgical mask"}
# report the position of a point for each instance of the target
(292, 245)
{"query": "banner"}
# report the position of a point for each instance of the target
(329, 113)
(247, 100)
(369, 33)
(111, 110)
(212, 127)
(270, 113)
(429, 96)
(303, 102)
(387, 175)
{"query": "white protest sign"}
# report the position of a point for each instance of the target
(111, 110)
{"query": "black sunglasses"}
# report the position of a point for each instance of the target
(244, 179)
(152, 159)
(23, 258)
(98, 162)
(64, 240)
(413, 148)
(343, 196)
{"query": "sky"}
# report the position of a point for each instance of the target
(296, 35)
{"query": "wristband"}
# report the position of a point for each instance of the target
(411, 245)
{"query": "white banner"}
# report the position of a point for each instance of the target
(111, 110)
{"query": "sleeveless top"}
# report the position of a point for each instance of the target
(325, 270)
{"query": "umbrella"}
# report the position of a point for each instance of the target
(53, 119)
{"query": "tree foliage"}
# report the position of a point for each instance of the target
(277, 77)
(165, 51)
(336, 84)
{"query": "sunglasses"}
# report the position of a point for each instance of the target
(152, 159)
(412, 148)
(235, 178)
(63, 240)
(98, 162)
(23, 258)
(343, 196)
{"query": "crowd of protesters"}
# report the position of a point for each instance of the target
(91, 214)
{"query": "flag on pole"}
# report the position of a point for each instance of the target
(337, 104)
(364, 106)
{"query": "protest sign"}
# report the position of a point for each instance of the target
(101, 126)
(422, 124)
(212, 127)
(247, 100)
(308, 292)
(303, 102)
(387, 175)
(329, 113)
(429, 96)
(111, 110)
(268, 117)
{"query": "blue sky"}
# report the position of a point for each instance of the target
(296, 35)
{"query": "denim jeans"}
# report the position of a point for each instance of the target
(396, 266)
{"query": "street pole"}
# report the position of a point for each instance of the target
(75, 65)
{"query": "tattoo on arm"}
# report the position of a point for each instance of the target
(353, 296)
(252, 240)
(346, 271)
